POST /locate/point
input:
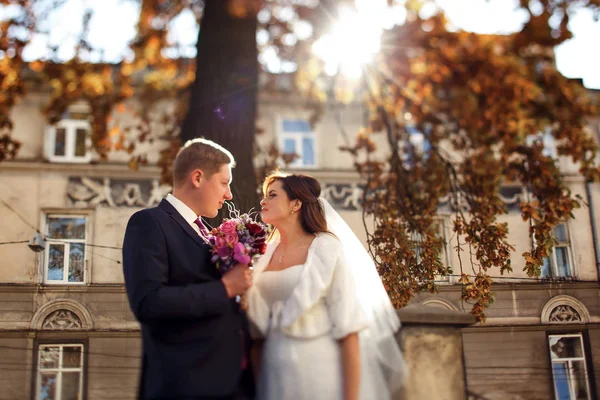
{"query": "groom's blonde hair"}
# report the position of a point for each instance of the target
(202, 154)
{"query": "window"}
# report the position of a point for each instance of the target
(417, 144)
(569, 369)
(417, 239)
(558, 264)
(60, 372)
(298, 138)
(548, 142)
(69, 141)
(65, 255)
(419, 141)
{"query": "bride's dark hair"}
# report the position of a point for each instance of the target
(306, 189)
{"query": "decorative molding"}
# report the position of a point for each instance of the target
(343, 196)
(97, 170)
(62, 320)
(563, 309)
(440, 303)
(84, 192)
(511, 196)
(556, 279)
(346, 196)
(107, 288)
(91, 192)
(62, 314)
(562, 314)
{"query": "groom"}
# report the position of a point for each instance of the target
(193, 333)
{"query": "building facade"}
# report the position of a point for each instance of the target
(66, 331)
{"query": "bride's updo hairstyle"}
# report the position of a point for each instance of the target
(306, 189)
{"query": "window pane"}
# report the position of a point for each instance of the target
(561, 381)
(560, 232)
(66, 228)
(49, 357)
(546, 270)
(418, 253)
(72, 357)
(416, 138)
(76, 261)
(47, 390)
(80, 147)
(562, 261)
(296, 125)
(60, 142)
(70, 386)
(426, 148)
(56, 261)
(580, 382)
(566, 347)
(549, 145)
(289, 146)
(308, 151)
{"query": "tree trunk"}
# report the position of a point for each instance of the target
(223, 97)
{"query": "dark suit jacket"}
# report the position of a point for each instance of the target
(192, 333)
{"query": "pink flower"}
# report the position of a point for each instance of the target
(239, 254)
(231, 238)
(220, 242)
(237, 240)
(229, 226)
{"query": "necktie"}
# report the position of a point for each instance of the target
(203, 230)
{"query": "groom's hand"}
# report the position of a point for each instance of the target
(237, 280)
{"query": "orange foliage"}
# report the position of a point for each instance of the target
(478, 100)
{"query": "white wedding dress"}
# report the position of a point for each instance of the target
(302, 312)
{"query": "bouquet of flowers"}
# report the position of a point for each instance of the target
(239, 239)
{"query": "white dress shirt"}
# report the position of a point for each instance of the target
(186, 212)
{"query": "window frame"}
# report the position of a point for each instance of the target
(442, 221)
(298, 137)
(62, 342)
(46, 214)
(553, 265)
(587, 361)
(70, 126)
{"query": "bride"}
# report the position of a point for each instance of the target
(323, 323)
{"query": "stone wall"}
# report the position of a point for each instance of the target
(431, 341)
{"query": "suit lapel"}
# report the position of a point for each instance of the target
(174, 214)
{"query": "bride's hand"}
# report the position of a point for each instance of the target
(243, 302)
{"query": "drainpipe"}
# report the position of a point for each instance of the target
(588, 194)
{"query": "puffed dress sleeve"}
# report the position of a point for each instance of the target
(345, 311)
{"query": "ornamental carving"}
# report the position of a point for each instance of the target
(343, 196)
(107, 192)
(349, 197)
(62, 320)
(564, 313)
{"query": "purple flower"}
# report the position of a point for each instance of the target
(239, 254)
(239, 239)
(224, 251)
